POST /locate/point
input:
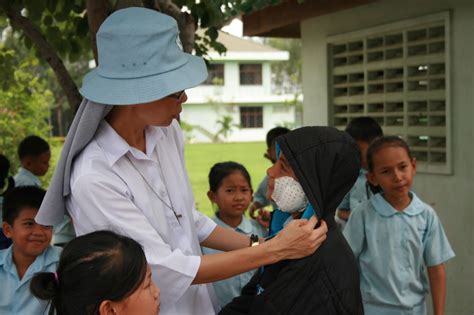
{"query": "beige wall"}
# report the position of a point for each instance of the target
(452, 195)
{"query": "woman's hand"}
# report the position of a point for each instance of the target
(299, 239)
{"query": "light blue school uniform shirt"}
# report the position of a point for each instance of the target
(26, 178)
(393, 249)
(357, 194)
(15, 296)
(227, 289)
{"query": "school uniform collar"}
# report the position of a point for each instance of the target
(245, 225)
(49, 256)
(26, 173)
(114, 146)
(385, 209)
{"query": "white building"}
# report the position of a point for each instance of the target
(409, 65)
(238, 90)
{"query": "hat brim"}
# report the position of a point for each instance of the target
(146, 89)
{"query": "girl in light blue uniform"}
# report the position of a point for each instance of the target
(230, 189)
(396, 237)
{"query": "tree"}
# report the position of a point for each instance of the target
(287, 75)
(24, 110)
(57, 29)
(226, 124)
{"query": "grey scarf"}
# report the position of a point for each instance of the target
(83, 128)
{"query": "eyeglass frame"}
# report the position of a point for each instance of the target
(177, 95)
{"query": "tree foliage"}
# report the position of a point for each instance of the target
(24, 106)
(61, 31)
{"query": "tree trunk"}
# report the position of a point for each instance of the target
(97, 11)
(46, 51)
(186, 24)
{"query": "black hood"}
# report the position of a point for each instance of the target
(326, 162)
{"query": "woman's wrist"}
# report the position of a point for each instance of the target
(272, 250)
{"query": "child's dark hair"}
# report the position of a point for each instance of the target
(19, 198)
(221, 170)
(4, 178)
(364, 129)
(274, 133)
(387, 141)
(377, 145)
(92, 268)
(32, 146)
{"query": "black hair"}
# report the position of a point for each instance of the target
(4, 169)
(32, 146)
(274, 133)
(376, 146)
(92, 268)
(19, 198)
(364, 129)
(219, 171)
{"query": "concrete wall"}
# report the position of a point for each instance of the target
(206, 116)
(232, 88)
(452, 195)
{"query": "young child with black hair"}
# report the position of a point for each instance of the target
(396, 237)
(260, 199)
(363, 130)
(30, 252)
(6, 183)
(230, 189)
(99, 273)
(34, 154)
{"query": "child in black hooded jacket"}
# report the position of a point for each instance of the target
(317, 166)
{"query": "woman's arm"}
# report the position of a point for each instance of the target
(298, 239)
(437, 276)
(233, 240)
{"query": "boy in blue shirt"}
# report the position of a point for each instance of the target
(34, 155)
(363, 130)
(30, 252)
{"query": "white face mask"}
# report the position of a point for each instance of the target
(289, 195)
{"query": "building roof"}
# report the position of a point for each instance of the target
(283, 19)
(246, 49)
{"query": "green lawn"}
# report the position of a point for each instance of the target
(201, 157)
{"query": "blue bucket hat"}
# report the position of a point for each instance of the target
(140, 60)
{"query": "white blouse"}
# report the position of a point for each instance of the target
(137, 200)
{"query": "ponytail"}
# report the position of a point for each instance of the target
(45, 286)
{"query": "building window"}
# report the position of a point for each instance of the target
(399, 76)
(215, 74)
(250, 74)
(251, 117)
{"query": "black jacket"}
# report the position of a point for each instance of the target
(326, 162)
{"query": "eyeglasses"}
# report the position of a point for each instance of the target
(178, 95)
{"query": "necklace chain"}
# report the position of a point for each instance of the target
(178, 216)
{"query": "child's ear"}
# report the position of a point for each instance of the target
(371, 179)
(212, 196)
(7, 229)
(106, 308)
(413, 164)
(26, 162)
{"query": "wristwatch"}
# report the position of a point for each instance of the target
(254, 240)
